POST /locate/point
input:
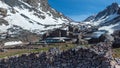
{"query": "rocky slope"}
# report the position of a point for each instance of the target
(32, 15)
(108, 19)
(80, 57)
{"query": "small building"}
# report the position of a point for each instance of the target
(56, 33)
(57, 39)
(95, 37)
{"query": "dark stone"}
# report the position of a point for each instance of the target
(2, 21)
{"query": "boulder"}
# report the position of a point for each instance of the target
(3, 12)
(2, 21)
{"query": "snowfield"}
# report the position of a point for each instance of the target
(108, 28)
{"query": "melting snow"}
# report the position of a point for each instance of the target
(103, 20)
(108, 28)
(13, 43)
(112, 17)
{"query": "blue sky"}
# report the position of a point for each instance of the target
(78, 10)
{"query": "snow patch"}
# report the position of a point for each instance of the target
(103, 20)
(112, 17)
(74, 23)
(88, 23)
(3, 28)
(3, 5)
(12, 43)
(108, 28)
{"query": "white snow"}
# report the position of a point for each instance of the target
(48, 19)
(12, 43)
(97, 34)
(3, 28)
(111, 27)
(100, 21)
(17, 19)
(87, 22)
(74, 23)
(2, 4)
(108, 28)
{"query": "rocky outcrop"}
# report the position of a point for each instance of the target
(118, 11)
(80, 57)
(46, 8)
(2, 21)
(90, 18)
(116, 35)
(32, 2)
(3, 12)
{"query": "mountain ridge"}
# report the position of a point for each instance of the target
(108, 19)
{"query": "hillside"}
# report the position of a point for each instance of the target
(29, 15)
(108, 19)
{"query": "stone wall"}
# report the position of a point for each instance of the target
(79, 57)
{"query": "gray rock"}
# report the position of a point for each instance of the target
(3, 11)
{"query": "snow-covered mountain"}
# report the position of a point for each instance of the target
(108, 19)
(32, 15)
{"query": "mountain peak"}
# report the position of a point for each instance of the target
(110, 10)
(108, 19)
(114, 7)
(114, 4)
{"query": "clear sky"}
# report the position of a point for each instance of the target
(78, 10)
